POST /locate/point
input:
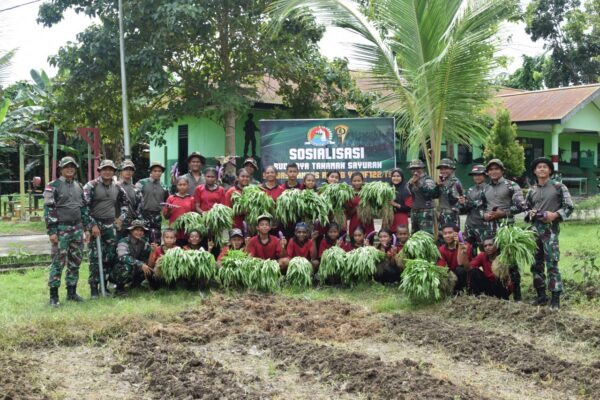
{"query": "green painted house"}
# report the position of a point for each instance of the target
(562, 124)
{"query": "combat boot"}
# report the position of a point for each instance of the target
(517, 293)
(94, 290)
(72, 294)
(120, 291)
(541, 298)
(54, 297)
(555, 301)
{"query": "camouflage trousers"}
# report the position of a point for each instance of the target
(153, 221)
(108, 243)
(548, 252)
(474, 236)
(491, 227)
(127, 273)
(422, 220)
(67, 252)
(448, 217)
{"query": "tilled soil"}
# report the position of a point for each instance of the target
(539, 321)
(17, 378)
(483, 346)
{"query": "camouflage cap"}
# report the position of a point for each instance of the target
(156, 164)
(414, 164)
(137, 223)
(494, 161)
(446, 162)
(66, 161)
(195, 154)
(477, 169)
(107, 164)
(251, 161)
(127, 164)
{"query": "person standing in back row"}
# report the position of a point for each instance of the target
(154, 192)
(66, 214)
(108, 205)
(472, 204)
(450, 190)
(424, 191)
(133, 195)
(249, 135)
(194, 175)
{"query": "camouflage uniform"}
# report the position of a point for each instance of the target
(134, 197)
(153, 193)
(422, 214)
(504, 195)
(553, 196)
(131, 255)
(66, 214)
(475, 226)
(449, 192)
(106, 203)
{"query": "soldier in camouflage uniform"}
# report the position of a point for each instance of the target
(108, 206)
(502, 199)
(154, 192)
(423, 190)
(133, 253)
(472, 204)
(133, 195)
(66, 214)
(549, 203)
(450, 190)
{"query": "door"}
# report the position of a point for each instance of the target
(575, 153)
(534, 148)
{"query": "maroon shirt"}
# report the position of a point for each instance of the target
(450, 256)
(206, 198)
(294, 249)
(285, 186)
(481, 260)
(267, 251)
(273, 192)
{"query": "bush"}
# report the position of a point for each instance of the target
(502, 144)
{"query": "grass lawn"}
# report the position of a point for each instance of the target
(21, 228)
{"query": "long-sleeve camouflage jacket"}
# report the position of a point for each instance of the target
(54, 198)
(504, 195)
(133, 252)
(134, 195)
(423, 192)
(449, 192)
(121, 208)
(552, 196)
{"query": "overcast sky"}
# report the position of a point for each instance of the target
(35, 43)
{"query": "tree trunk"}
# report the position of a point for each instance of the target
(230, 134)
(450, 150)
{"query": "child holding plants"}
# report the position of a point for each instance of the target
(310, 182)
(358, 239)
(242, 180)
(210, 193)
(178, 204)
(387, 270)
(236, 242)
(481, 276)
(352, 208)
(291, 170)
(456, 255)
(333, 177)
(331, 238)
(195, 242)
(300, 245)
(403, 201)
(402, 236)
(270, 185)
(266, 246)
(168, 242)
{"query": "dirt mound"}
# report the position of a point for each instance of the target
(17, 377)
(537, 321)
(579, 291)
(219, 317)
(356, 372)
(481, 346)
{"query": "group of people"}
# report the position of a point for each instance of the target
(125, 220)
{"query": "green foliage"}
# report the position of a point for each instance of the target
(502, 144)
(302, 205)
(263, 275)
(194, 265)
(216, 220)
(517, 246)
(421, 245)
(361, 265)
(252, 203)
(421, 281)
(337, 194)
(529, 76)
(299, 272)
(232, 272)
(375, 198)
(333, 262)
(190, 221)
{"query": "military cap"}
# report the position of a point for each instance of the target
(197, 155)
(127, 164)
(477, 169)
(251, 161)
(66, 161)
(236, 232)
(446, 162)
(156, 164)
(494, 161)
(414, 164)
(542, 160)
(137, 223)
(107, 164)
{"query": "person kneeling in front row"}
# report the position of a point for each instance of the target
(481, 276)
(133, 253)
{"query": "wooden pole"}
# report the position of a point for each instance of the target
(22, 179)
(46, 163)
(54, 151)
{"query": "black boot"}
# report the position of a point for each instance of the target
(120, 290)
(517, 293)
(72, 294)
(541, 298)
(54, 297)
(555, 302)
(94, 290)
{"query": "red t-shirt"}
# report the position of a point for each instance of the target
(450, 256)
(481, 260)
(273, 192)
(206, 198)
(185, 203)
(267, 251)
(294, 249)
(238, 220)
(285, 186)
(352, 215)
(324, 245)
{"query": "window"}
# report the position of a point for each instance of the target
(182, 152)
(465, 156)
(575, 153)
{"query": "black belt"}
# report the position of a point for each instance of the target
(69, 222)
(105, 221)
(421, 209)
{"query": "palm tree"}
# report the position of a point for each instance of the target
(430, 60)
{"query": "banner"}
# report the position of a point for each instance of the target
(346, 145)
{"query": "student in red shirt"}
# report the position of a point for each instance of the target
(331, 238)
(243, 180)
(481, 276)
(300, 245)
(310, 182)
(291, 170)
(266, 246)
(358, 239)
(454, 256)
(357, 181)
(168, 242)
(402, 236)
(387, 270)
(333, 177)
(402, 203)
(270, 185)
(209, 194)
(177, 205)
(236, 242)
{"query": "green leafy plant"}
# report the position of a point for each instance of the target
(422, 281)
(263, 275)
(233, 270)
(299, 272)
(517, 246)
(420, 245)
(168, 265)
(337, 194)
(190, 221)
(502, 144)
(252, 203)
(218, 219)
(333, 261)
(375, 198)
(193, 265)
(361, 265)
(302, 205)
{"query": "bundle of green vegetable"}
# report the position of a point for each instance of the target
(194, 265)
(337, 195)
(421, 245)
(422, 281)
(333, 261)
(517, 248)
(253, 202)
(302, 205)
(299, 272)
(218, 219)
(263, 275)
(233, 271)
(190, 221)
(375, 198)
(169, 264)
(361, 265)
